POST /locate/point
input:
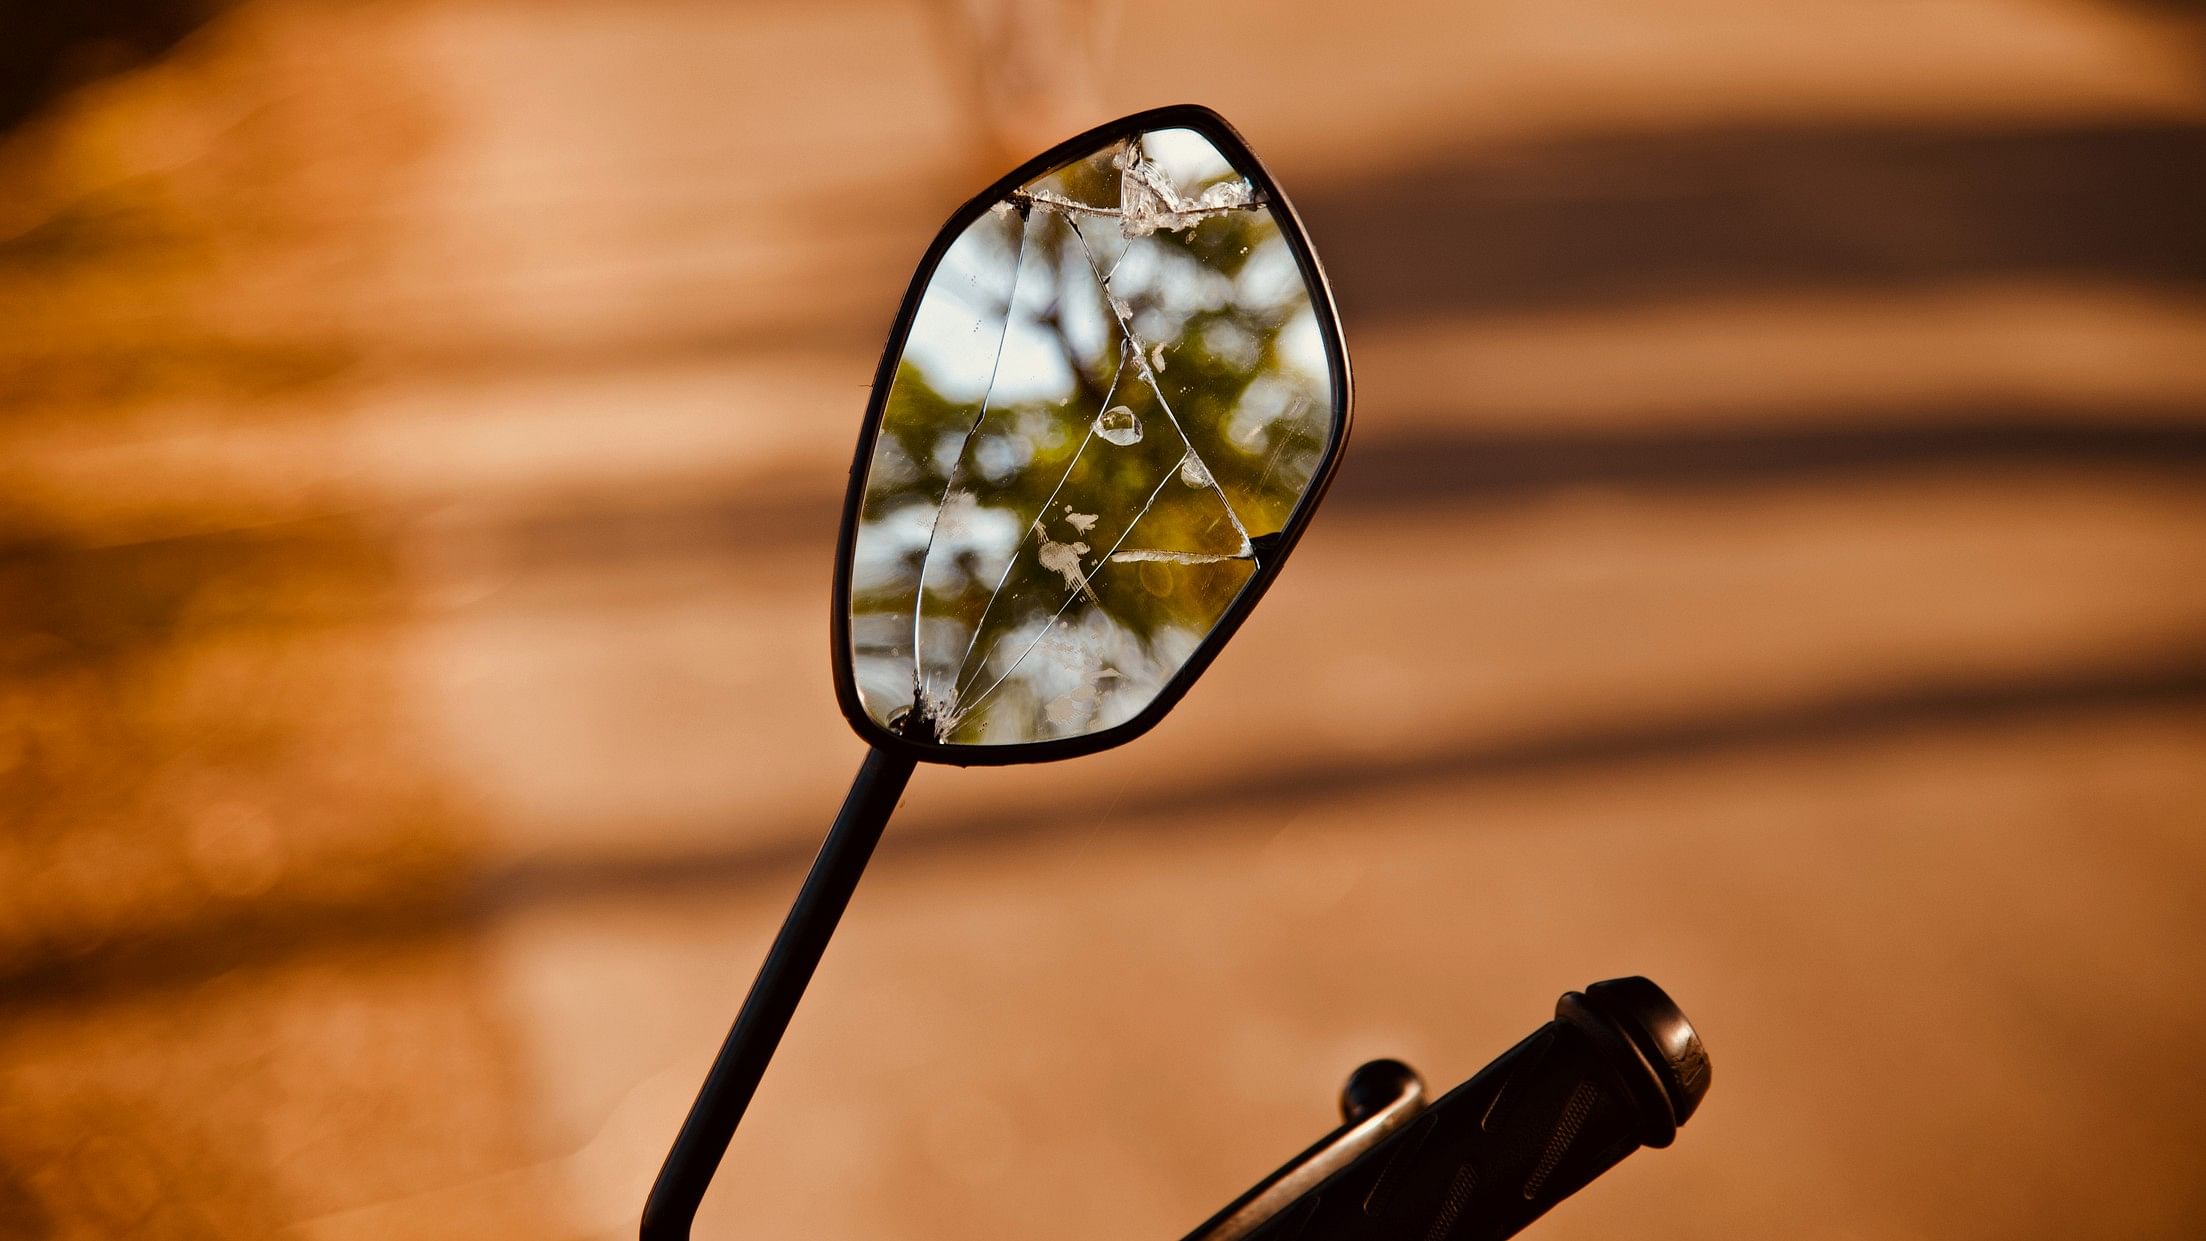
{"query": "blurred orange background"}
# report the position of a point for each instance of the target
(1770, 560)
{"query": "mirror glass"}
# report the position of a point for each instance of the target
(1113, 393)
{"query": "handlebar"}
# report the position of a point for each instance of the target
(1619, 1068)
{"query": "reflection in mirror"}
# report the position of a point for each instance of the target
(1113, 392)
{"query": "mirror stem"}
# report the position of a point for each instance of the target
(781, 981)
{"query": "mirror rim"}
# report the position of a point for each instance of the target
(1230, 144)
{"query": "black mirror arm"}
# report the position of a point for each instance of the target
(736, 1070)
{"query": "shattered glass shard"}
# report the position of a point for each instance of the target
(1154, 555)
(1194, 473)
(1119, 425)
(1149, 201)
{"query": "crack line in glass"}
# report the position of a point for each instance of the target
(1050, 198)
(1141, 361)
(949, 483)
(1070, 595)
(1271, 462)
(1157, 555)
(958, 708)
(959, 683)
(1152, 204)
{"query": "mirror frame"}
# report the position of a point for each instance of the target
(1230, 144)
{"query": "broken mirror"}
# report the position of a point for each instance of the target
(1112, 396)
(1115, 392)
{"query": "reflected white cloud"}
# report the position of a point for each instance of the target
(1302, 347)
(1187, 157)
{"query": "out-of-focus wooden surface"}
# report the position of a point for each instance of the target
(1772, 559)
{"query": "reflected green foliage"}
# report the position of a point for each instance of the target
(1113, 390)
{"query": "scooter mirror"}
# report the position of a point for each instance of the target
(1112, 397)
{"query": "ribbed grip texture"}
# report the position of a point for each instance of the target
(1533, 1128)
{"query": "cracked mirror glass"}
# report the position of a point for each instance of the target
(1114, 392)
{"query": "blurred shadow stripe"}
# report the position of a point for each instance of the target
(2176, 678)
(1606, 219)
(1386, 471)
(1601, 219)
(48, 49)
(259, 567)
(277, 930)
(273, 929)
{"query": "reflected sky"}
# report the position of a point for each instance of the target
(1113, 390)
